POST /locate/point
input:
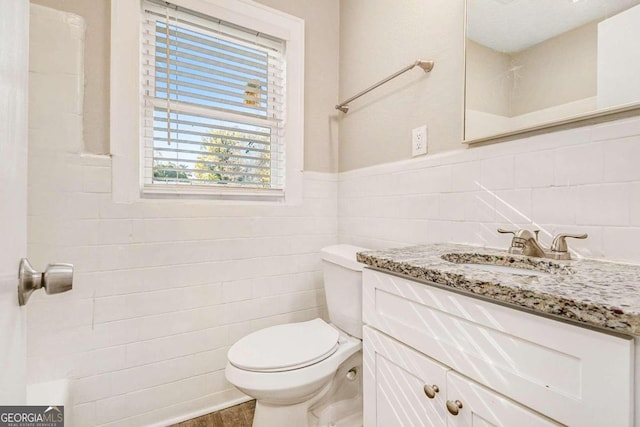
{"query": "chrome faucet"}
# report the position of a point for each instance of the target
(526, 243)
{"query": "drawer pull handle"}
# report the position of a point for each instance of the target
(431, 390)
(454, 406)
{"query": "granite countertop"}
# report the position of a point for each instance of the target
(595, 293)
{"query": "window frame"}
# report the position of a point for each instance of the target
(127, 101)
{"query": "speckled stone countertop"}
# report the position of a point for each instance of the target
(599, 294)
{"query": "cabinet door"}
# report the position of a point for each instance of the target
(481, 407)
(394, 382)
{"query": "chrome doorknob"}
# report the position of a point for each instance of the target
(56, 278)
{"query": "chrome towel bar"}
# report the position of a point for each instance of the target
(425, 65)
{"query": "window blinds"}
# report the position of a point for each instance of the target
(214, 102)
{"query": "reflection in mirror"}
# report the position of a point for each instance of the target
(535, 63)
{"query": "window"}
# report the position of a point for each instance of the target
(220, 112)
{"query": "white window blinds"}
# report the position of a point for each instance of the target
(214, 102)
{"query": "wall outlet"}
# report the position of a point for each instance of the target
(419, 141)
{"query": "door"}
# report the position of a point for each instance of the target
(14, 72)
(401, 386)
(472, 405)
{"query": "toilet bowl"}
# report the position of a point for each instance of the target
(286, 385)
(300, 373)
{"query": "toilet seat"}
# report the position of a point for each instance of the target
(296, 385)
(285, 347)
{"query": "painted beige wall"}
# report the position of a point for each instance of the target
(556, 71)
(321, 73)
(322, 34)
(378, 38)
(96, 14)
(488, 79)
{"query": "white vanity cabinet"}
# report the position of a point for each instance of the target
(503, 366)
(406, 388)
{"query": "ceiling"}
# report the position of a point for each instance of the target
(513, 25)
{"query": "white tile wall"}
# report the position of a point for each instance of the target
(580, 180)
(158, 301)
(162, 287)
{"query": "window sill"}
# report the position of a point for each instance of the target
(227, 194)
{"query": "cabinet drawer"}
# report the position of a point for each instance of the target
(394, 383)
(571, 374)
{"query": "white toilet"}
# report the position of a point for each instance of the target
(309, 373)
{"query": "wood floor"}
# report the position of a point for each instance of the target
(235, 416)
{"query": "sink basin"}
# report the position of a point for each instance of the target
(505, 269)
(523, 266)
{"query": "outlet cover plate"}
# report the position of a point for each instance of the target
(419, 141)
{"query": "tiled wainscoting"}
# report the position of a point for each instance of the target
(162, 288)
(580, 180)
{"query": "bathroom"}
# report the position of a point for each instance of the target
(165, 284)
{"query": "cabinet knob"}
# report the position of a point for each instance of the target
(431, 390)
(454, 406)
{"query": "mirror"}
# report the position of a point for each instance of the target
(533, 64)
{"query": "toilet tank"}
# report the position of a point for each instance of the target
(343, 287)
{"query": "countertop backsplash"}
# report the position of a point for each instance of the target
(582, 180)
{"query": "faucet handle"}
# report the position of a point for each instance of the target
(518, 233)
(559, 243)
(503, 231)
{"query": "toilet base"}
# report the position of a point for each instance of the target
(279, 416)
(268, 415)
(339, 400)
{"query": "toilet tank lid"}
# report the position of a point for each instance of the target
(343, 255)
